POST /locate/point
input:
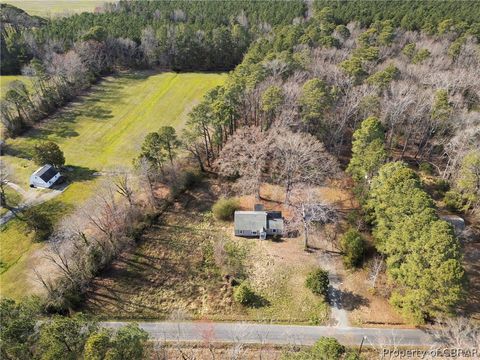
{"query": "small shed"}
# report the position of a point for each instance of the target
(45, 177)
(258, 223)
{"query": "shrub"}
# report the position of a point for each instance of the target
(317, 282)
(352, 355)
(353, 247)
(442, 185)
(328, 348)
(225, 208)
(243, 294)
(355, 218)
(190, 179)
(454, 200)
(186, 180)
(409, 50)
(426, 168)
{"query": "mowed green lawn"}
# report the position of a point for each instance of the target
(5, 80)
(55, 7)
(103, 130)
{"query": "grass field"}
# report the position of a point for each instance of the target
(5, 80)
(104, 129)
(48, 8)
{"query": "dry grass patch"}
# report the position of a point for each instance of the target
(189, 262)
(172, 270)
(277, 272)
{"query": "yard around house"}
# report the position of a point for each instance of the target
(174, 271)
(102, 130)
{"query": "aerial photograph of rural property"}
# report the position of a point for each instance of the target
(239, 179)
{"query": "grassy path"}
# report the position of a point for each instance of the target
(104, 129)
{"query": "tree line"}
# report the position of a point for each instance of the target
(75, 337)
(423, 257)
(65, 56)
(181, 35)
(296, 99)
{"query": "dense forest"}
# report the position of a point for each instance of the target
(410, 15)
(382, 86)
(183, 35)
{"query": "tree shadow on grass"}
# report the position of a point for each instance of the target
(74, 173)
(23, 151)
(258, 301)
(347, 300)
(95, 112)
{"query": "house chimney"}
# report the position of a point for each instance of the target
(258, 207)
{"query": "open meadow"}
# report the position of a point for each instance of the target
(46, 8)
(101, 130)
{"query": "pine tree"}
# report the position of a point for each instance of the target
(368, 150)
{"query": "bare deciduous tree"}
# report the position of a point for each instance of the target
(246, 155)
(458, 332)
(375, 270)
(310, 210)
(299, 158)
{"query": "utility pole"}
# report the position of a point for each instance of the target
(361, 344)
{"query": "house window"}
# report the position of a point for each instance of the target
(254, 233)
(274, 230)
(240, 231)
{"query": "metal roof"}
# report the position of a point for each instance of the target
(455, 220)
(46, 172)
(275, 224)
(250, 220)
(258, 220)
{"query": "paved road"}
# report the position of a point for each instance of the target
(278, 334)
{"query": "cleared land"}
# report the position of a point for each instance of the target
(183, 266)
(179, 269)
(104, 129)
(48, 8)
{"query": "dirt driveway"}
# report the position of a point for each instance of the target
(31, 197)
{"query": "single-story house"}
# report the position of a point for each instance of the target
(258, 223)
(45, 177)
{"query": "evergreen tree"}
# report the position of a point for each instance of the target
(368, 150)
(48, 153)
(423, 255)
(272, 99)
(315, 100)
(468, 182)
